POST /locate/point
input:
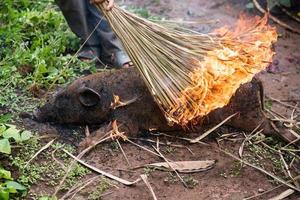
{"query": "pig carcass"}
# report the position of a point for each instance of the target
(92, 100)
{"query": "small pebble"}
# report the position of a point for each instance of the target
(260, 190)
(190, 13)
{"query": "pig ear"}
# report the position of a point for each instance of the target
(88, 97)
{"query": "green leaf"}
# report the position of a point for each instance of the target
(11, 190)
(5, 146)
(5, 118)
(286, 3)
(4, 174)
(43, 198)
(11, 125)
(42, 68)
(53, 71)
(15, 185)
(12, 132)
(26, 135)
(2, 128)
(4, 195)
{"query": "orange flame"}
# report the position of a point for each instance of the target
(243, 52)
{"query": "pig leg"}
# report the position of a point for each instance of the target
(117, 128)
(95, 137)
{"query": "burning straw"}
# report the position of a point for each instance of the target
(191, 74)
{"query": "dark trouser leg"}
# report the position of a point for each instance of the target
(109, 42)
(82, 18)
(76, 14)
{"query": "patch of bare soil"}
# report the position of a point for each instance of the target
(226, 180)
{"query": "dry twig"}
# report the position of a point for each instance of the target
(124, 154)
(144, 148)
(125, 182)
(283, 195)
(180, 138)
(283, 103)
(290, 14)
(145, 179)
(40, 151)
(270, 190)
(165, 144)
(57, 161)
(71, 165)
(285, 166)
(78, 187)
(262, 170)
(212, 129)
(258, 6)
(248, 138)
(166, 160)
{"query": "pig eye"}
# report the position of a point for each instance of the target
(88, 97)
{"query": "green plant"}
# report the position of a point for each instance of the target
(236, 169)
(8, 187)
(100, 189)
(74, 176)
(5, 118)
(114, 146)
(268, 104)
(171, 178)
(190, 182)
(35, 47)
(9, 132)
(170, 150)
(149, 170)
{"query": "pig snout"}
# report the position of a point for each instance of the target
(37, 116)
(43, 114)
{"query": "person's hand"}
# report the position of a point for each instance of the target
(108, 7)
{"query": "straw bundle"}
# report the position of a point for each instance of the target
(191, 74)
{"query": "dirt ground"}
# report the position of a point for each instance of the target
(224, 181)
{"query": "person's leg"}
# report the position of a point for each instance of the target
(76, 14)
(112, 49)
(82, 17)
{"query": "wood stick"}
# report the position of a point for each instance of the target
(145, 179)
(258, 6)
(120, 180)
(40, 151)
(212, 129)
